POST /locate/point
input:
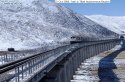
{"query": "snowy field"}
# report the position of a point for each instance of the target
(88, 71)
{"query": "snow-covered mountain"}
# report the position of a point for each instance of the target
(26, 24)
(113, 23)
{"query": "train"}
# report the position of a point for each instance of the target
(80, 39)
(77, 39)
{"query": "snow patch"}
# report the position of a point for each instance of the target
(113, 23)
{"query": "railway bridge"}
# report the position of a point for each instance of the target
(56, 65)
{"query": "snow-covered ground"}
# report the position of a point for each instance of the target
(28, 24)
(93, 68)
(113, 23)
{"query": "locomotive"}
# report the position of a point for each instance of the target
(77, 39)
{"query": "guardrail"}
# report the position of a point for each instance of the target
(17, 71)
(25, 69)
(7, 57)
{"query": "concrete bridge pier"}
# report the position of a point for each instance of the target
(65, 69)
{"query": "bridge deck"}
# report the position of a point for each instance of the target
(24, 67)
(105, 67)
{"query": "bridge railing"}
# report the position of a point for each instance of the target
(7, 57)
(24, 69)
(17, 71)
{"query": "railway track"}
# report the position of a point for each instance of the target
(27, 67)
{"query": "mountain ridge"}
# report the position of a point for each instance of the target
(113, 23)
(25, 26)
